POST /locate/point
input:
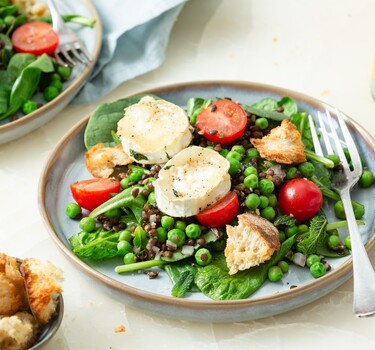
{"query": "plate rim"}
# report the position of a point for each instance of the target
(65, 94)
(343, 272)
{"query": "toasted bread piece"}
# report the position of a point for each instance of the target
(250, 243)
(43, 285)
(10, 300)
(282, 145)
(3, 261)
(18, 332)
(100, 160)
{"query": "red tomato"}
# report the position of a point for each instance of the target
(220, 213)
(224, 123)
(300, 198)
(35, 38)
(89, 194)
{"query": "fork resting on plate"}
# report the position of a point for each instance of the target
(71, 49)
(343, 180)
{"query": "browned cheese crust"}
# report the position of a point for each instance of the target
(101, 161)
(282, 145)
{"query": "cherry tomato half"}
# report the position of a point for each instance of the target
(35, 38)
(220, 213)
(89, 194)
(300, 198)
(222, 122)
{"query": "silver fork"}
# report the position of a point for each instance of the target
(71, 49)
(343, 180)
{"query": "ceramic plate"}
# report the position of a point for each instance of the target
(66, 165)
(10, 130)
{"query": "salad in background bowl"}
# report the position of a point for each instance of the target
(237, 240)
(34, 87)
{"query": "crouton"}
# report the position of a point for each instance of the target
(10, 300)
(101, 161)
(282, 145)
(18, 332)
(43, 285)
(250, 243)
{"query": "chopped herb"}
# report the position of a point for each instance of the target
(137, 156)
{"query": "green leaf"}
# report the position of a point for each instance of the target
(104, 119)
(284, 220)
(270, 114)
(267, 104)
(183, 284)
(140, 238)
(315, 237)
(289, 105)
(175, 270)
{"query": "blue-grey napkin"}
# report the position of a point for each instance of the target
(135, 37)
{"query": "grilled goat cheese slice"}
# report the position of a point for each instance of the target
(191, 181)
(153, 131)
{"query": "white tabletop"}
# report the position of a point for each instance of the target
(321, 48)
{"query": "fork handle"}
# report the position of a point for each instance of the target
(363, 272)
(57, 22)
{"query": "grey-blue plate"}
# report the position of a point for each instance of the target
(92, 37)
(66, 165)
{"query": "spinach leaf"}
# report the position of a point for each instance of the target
(104, 119)
(19, 62)
(266, 113)
(194, 106)
(6, 50)
(5, 88)
(98, 245)
(315, 238)
(267, 104)
(27, 81)
(140, 238)
(175, 270)
(215, 282)
(289, 105)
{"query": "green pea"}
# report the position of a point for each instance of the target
(303, 228)
(113, 213)
(224, 152)
(203, 256)
(29, 106)
(312, 259)
(275, 274)
(333, 232)
(124, 247)
(239, 149)
(193, 231)
(284, 266)
(268, 213)
(180, 225)
(263, 202)
(291, 173)
(266, 187)
(177, 236)
(334, 157)
(272, 200)
(50, 93)
(366, 179)
(9, 20)
(55, 76)
(359, 210)
(234, 155)
(317, 270)
(251, 181)
(151, 198)
(252, 153)
(129, 258)
(281, 236)
(291, 231)
(125, 182)
(347, 242)
(261, 123)
(64, 72)
(333, 241)
(73, 210)
(234, 166)
(135, 175)
(125, 235)
(167, 221)
(252, 201)
(250, 170)
(87, 224)
(210, 147)
(162, 234)
(57, 84)
(306, 169)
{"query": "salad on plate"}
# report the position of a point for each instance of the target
(220, 195)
